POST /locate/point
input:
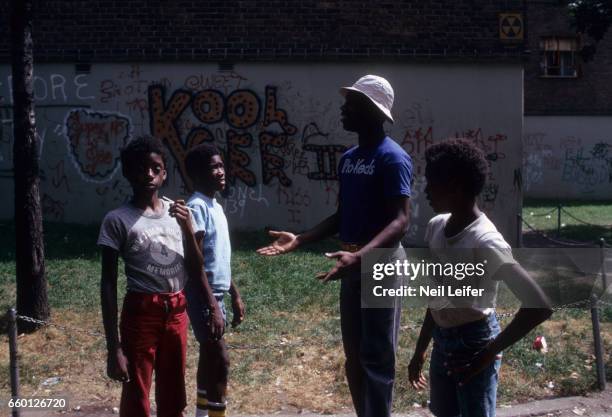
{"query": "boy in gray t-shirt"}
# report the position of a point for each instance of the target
(151, 245)
(158, 247)
(206, 170)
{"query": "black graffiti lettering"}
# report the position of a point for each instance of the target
(272, 165)
(324, 153)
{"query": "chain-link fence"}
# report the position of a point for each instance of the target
(557, 239)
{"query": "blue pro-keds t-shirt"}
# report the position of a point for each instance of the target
(368, 177)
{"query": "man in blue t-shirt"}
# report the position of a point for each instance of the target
(373, 212)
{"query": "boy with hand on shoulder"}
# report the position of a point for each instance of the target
(206, 308)
(158, 247)
(466, 355)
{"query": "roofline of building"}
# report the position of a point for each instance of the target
(121, 55)
(569, 112)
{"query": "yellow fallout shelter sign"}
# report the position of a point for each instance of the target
(511, 26)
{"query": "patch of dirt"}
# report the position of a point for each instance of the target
(297, 377)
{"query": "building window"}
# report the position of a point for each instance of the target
(558, 57)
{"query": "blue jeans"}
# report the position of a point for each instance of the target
(199, 314)
(369, 336)
(478, 396)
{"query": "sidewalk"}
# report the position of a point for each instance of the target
(597, 404)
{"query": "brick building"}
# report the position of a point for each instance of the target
(568, 109)
(271, 30)
(187, 71)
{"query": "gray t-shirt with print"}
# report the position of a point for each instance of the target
(151, 247)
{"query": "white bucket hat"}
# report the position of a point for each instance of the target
(377, 89)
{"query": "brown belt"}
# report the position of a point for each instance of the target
(351, 247)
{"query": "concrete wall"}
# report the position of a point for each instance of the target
(568, 157)
(278, 124)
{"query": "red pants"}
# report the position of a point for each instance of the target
(154, 336)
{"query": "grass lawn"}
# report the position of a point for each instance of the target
(542, 215)
(287, 355)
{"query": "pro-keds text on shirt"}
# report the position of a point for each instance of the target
(358, 167)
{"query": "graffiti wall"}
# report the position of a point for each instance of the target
(278, 127)
(568, 157)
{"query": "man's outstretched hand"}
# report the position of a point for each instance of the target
(285, 242)
(346, 263)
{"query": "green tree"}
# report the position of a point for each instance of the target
(29, 251)
(593, 18)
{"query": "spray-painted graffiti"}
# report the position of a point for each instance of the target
(128, 88)
(538, 156)
(272, 164)
(490, 146)
(417, 114)
(296, 159)
(240, 110)
(95, 140)
(416, 212)
(295, 199)
(489, 196)
(52, 209)
(533, 170)
(588, 167)
(417, 140)
(570, 165)
(54, 88)
(122, 191)
(517, 179)
(279, 133)
(239, 196)
(327, 165)
(238, 159)
(226, 81)
(59, 177)
(124, 85)
(332, 190)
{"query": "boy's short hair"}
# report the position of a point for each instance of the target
(198, 159)
(458, 159)
(142, 145)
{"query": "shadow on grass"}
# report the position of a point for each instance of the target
(587, 233)
(62, 241)
(65, 241)
(540, 203)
